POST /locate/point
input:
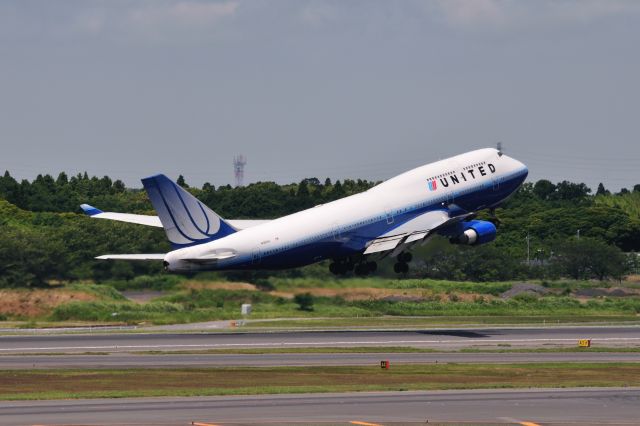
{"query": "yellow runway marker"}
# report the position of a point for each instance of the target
(203, 424)
(529, 424)
(364, 423)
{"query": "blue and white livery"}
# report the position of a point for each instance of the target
(354, 232)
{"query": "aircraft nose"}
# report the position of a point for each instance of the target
(519, 166)
(524, 168)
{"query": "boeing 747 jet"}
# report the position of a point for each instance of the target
(388, 220)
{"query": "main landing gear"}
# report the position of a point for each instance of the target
(401, 266)
(493, 218)
(344, 266)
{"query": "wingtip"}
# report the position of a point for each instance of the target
(90, 210)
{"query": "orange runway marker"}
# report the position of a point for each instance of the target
(364, 423)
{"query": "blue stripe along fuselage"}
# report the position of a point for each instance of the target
(352, 239)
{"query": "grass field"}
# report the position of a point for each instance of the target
(350, 302)
(63, 384)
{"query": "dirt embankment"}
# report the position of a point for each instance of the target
(33, 303)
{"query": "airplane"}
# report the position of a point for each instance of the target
(354, 233)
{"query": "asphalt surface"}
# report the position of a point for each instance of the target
(128, 360)
(527, 407)
(441, 339)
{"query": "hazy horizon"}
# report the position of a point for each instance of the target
(356, 89)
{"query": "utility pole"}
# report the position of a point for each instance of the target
(528, 249)
(578, 234)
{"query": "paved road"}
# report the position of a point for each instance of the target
(434, 338)
(129, 360)
(548, 406)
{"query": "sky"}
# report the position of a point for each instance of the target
(304, 88)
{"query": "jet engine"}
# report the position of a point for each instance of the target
(475, 232)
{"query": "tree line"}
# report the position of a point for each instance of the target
(546, 229)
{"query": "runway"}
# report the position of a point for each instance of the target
(441, 339)
(525, 407)
(128, 360)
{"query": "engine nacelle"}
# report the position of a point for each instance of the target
(475, 232)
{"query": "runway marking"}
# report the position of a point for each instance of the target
(203, 424)
(329, 343)
(529, 424)
(355, 422)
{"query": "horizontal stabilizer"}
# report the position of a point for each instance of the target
(149, 256)
(139, 219)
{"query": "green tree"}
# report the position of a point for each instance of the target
(601, 190)
(586, 258)
(182, 182)
(543, 189)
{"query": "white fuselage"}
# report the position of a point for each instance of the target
(471, 181)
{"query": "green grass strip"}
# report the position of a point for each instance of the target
(59, 384)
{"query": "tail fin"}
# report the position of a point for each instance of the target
(184, 218)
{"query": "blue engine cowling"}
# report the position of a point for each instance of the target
(475, 232)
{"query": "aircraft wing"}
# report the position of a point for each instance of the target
(147, 220)
(412, 232)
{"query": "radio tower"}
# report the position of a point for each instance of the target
(238, 166)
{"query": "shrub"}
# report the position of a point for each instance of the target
(304, 301)
(151, 282)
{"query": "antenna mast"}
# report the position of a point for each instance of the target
(239, 162)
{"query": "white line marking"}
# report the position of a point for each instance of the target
(329, 343)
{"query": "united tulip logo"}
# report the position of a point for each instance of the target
(432, 185)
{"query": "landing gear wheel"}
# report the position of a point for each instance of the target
(348, 265)
(401, 268)
(405, 257)
(361, 269)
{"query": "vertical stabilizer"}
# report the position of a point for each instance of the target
(185, 219)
